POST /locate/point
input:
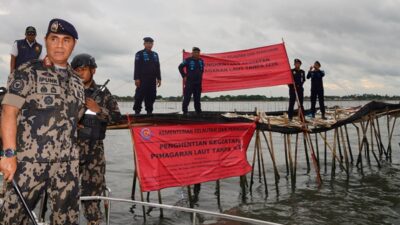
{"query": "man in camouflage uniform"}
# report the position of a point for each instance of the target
(39, 124)
(102, 109)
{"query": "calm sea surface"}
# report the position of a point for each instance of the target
(370, 199)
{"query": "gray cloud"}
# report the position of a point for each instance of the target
(356, 41)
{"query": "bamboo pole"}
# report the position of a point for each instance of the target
(253, 163)
(286, 156)
(272, 154)
(289, 144)
(372, 129)
(333, 170)
(364, 128)
(295, 158)
(263, 166)
(160, 202)
(359, 158)
(314, 159)
(348, 144)
(325, 151)
(306, 153)
(258, 158)
(381, 148)
(191, 204)
(317, 149)
(391, 136)
(334, 155)
(339, 148)
(218, 193)
(346, 157)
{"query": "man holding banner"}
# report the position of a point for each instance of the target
(192, 69)
(299, 77)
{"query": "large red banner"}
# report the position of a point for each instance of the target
(258, 67)
(180, 155)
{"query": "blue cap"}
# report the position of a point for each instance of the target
(148, 39)
(59, 26)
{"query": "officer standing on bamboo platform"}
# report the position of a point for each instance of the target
(25, 49)
(299, 77)
(317, 88)
(191, 70)
(147, 76)
(41, 110)
(101, 110)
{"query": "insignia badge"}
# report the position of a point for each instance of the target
(53, 90)
(17, 85)
(54, 27)
(37, 49)
(146, 134)
(43, 89)
(48, 100)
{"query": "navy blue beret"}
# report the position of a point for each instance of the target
(60, 26)
(148, 39)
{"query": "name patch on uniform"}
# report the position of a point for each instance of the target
(48, 80)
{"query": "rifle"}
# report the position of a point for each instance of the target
(26, 207)
(100, 89)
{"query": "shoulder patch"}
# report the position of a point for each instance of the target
(17, 85)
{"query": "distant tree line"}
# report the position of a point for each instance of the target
(227, 98)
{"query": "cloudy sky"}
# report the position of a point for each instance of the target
(357, 42)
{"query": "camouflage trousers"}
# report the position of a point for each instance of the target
(92, 169)
(59, 180)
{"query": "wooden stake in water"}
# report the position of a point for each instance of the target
(286, 156)
(263, 166)
(325, 152)
(346, 157)
(359, 158)
(253, 162)
(349, 145)
(306, 153)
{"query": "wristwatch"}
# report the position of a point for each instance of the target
(9, 152)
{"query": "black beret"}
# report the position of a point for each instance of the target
(148, 39)
(195, 49)
(297, 60)
(60, 26)
(30, 29)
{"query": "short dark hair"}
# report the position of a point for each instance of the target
(316, 62)
(195, 49)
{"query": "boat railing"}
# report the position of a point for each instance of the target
(194, 212)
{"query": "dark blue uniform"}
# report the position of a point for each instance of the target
(147, 70)
(192, 69)
(299, 77)
(317, 90)
(26, 52)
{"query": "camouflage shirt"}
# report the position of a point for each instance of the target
(108, 105)
(51, 102)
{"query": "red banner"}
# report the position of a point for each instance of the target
(180, 155)
(258, 67)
